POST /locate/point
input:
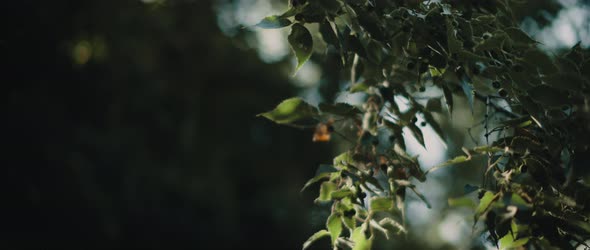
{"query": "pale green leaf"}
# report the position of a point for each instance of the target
(456, 160)
(508, 241)
(291, 110)
(462, 202)
(334, 226)
(485, 203)
(320, 234)
(326, 190)
(339, 194)
(377, 204)
(360, 240)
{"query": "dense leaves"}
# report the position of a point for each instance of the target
(456, 48)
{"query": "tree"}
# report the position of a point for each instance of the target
(534, 192)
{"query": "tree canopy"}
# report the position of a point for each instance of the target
(535, 121)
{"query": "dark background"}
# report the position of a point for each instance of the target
(152, 140)
(153, 145)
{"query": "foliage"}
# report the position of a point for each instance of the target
(534, 191)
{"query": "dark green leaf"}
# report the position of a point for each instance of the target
(548, 96)
(455, 45)
(493, 43)
(301, 43)
(430, 120)
(434, 105)
(315, 179)
(519, 36)
(320, 234)
(328, 34)
(291, 110)
(538, 58)
(273, 22)
(375, 52)
(341, 109)
(417, 133)
(448, 97)
(565, 81)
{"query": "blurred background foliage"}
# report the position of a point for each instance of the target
(132, 123)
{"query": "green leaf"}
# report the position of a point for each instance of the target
(326, 190)
(548, 96)
(537, 58)
(377, 204)
(360, 87)
(341, 161)
(328, 34)
(517, 122)
(493, 43)
(564, 81)
(487, 149)
(360, 240)
(334, 226)
(456, 160)
(375, 51)
(508, 241)
(291, 110)
(519, 202)
(320, 234)
(519, 36)
(341, 109)
(485, 203)
(273, 22)
(339, 194)
(315, 179)
(349, 222)
(301, 43)
(455, 45)
(417, 133)
(462, 202)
